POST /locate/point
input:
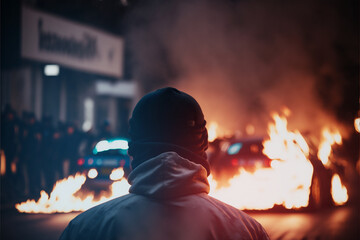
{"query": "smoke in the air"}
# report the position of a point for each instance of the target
(243, 60)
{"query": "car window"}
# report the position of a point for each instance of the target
(111, 146)
(112, 152)
(234, 148)
(254, 148)
(250, 149)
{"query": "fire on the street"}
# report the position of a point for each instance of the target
(286, 183)
(357, 124)
(63, 197)
(328, 139)
(212, 129)
(338, 190)
(289, 179)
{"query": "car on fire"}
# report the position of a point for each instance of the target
(228, 155)
(108, 162)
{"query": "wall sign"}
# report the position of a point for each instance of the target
(51, 39)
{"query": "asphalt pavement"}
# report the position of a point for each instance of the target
(341, 223)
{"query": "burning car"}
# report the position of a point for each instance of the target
(108, 162)
(227, 155)
(282, 169)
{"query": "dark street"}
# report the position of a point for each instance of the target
(207, 103)
(338, 223)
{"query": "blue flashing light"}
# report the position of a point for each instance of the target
(234, 148)
(105, 145)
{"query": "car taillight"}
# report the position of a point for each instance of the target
(267, 162)
(122, 162)
(80, 161)
(234, 162)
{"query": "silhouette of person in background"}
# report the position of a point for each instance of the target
(9, 146)
(48, 164)
(105, 131)
(9, 137)
(36, 154)
(72, 139)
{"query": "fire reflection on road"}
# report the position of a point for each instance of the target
(336, 223)
(340, 223)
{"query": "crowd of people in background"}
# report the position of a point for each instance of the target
(35, 154)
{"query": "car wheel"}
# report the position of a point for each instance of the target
(315, 194)
(320, 191)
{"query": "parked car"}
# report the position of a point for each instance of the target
(248, 153)
(226, 156)
(108, 162)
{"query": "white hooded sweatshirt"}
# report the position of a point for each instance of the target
(168, 200)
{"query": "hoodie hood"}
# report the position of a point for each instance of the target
(167, 176)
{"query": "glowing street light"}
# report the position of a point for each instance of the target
(51, 70)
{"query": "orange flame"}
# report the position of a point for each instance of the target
(117, 174)
(357, 124)
(338, 190)
(328, 140)
(2, 163)
(63, 199)
(212, 131)
(287, 183)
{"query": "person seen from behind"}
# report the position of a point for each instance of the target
(168, 197)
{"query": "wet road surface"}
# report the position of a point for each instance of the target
(339, 223)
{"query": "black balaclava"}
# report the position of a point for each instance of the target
(168, 120)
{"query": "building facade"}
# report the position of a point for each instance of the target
(65, 70)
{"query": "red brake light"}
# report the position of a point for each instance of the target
(90, 161)
(234, 162)
(122, 162)
(80, 161)
(268, 162)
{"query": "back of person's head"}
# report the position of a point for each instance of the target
(168, 120)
